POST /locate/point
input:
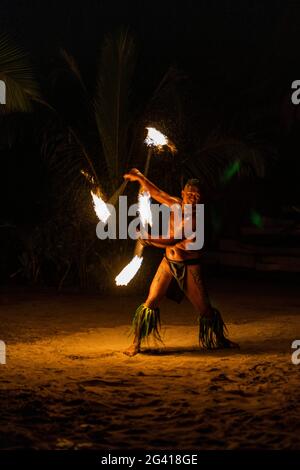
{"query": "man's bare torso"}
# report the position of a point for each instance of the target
(180, 251)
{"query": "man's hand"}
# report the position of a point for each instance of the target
(155, 192)
(134, 175)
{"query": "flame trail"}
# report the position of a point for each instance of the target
(100, 207)
(129, 271)
(144, 208)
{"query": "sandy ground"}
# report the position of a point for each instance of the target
(67, 384)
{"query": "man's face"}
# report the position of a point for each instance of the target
(191, 195)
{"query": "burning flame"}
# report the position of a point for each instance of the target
(155, 138)
(145, 208)
(129, 271)
(100, 207)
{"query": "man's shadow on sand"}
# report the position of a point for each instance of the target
(252, 348)
(181, 351)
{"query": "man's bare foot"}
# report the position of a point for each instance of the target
(132, 350)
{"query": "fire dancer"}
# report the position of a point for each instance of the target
(178, 274)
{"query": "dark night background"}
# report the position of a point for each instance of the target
(234, 63)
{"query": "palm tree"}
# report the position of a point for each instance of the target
(112, 101)
(96, 138)
(104, 133)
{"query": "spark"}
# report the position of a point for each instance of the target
(87, 176)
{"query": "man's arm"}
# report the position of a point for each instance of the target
(155, 192)
(158, 242)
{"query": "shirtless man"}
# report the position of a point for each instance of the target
(179, 268)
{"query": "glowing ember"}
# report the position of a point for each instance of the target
(129, 271)
(145, 208)
(100, 207)
(89, 178)
(155, 138)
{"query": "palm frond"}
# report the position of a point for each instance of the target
(222, 158)
(112, 100)
(167, 81)
(73, 67)
(64, 158)
(16, 72)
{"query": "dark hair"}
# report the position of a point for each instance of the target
(193, 182)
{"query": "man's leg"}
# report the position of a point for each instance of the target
(211, 326)
(146, 320)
